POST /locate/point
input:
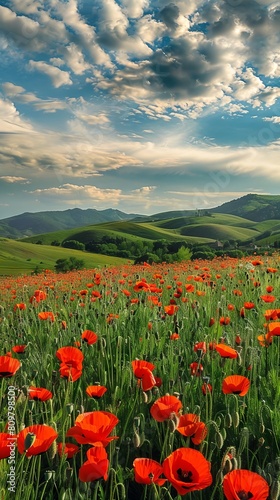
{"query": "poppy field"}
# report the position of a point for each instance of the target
(147, 382)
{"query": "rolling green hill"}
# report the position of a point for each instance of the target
(219, 232)
(253, 206)
(17, 257)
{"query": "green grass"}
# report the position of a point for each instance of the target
(223, 219)
(17, 257)
(219, 232)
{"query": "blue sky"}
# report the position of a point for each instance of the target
(140, 105)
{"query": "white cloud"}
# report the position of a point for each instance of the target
(11, 121)
(57, 76)
(12, 179)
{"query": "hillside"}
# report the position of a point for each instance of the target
(18, 257)
(29, 224)
(252, 206)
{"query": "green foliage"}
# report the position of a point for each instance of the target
(71, 264)
(74, 244)
(183, 254)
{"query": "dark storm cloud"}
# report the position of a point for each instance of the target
(169, 15)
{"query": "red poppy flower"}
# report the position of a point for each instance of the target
(257, 262)
(164, 407)
(70, 356)
(94, 428)
(211, 321)
(68, 449)
(265, 340)
(269, 288)
(272, 314)
(21, 306)
(46, 316)
(96, 467)
(249, 305)
(147, 471)
(35, 439)
(268, 298)
(224, 320)
(226, 351)
(206, 388)
(71, 373)
(274, 329)
(174, 336)
(39, 394)
(200, 346)
(19, 349)
(89, 337)
(8, 366)
(236, 384)
(196, 369)
(190, 425)
(96, 391)
(38, 296)
(143, 370)
(171, 309)
(187, 470)
(7, 443)
(237, 292)
(244, 484)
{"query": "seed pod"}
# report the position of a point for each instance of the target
(51, 452)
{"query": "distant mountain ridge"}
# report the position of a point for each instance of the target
(30, 224)
(254, 207)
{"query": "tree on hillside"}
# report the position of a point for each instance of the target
(70, 264)
(75, 245)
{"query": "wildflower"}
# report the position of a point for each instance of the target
(6, 440)
(19, 349)
(236, 384)
(187, 470)
(46, 315)
(94, 428)
(147, 471)
(96, 391)
(35, 439)
(143, 371)
(244, 484)
(164, 407)
(268, 298)
(89, 337)
(8, 366)
(190, 425)
(96, 467)
(196, 369)
(67, 449)
(39, 394)
(226, 351)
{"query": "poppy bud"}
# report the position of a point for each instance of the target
(243, 442)
(262, 428)
(235, 419)
(261, 442)
(136, 440)
(275, 490)
(219, 440)
(228, 420)
(69, 408)
(51, 452)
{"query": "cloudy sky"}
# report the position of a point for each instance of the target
(140, 105)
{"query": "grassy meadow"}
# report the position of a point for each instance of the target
(141, 382)
(19, 257)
